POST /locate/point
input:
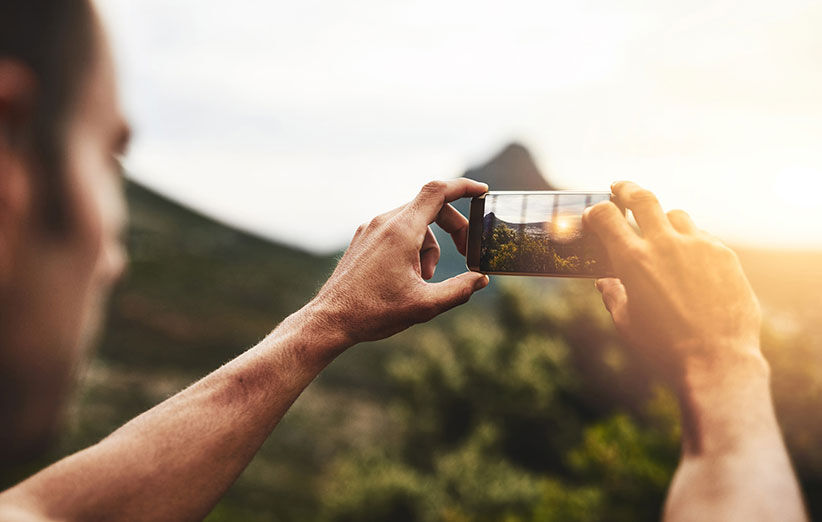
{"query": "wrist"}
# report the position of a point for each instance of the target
(726, 401)
(711, 368)
(323, 328)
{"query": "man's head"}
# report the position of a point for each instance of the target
(61, 206)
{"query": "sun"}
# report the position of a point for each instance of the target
(564, 228)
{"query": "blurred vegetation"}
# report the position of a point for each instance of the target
(494, 420)
(521, 406)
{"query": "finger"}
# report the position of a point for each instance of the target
(450, 220)
(608, 223)
(377, 221)
(644, 205)
(429, 255)
(613, 294)
(454, 291)
(435, 194)
(682, 222)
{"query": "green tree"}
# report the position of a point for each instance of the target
(503, 416)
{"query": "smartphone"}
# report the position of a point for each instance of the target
(535, 233)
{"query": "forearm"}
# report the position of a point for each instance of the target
(734, 464)
(175, 461)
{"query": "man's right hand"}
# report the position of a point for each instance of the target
(380, 285)
(681, 297)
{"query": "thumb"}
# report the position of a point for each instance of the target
(613, 295)
(456, 290)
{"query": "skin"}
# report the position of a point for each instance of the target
(682, 301)
(52, 290)
(176, 460)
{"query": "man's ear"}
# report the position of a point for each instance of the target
(17, 94)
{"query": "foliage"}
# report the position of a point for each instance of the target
(520, 406)
(492, 427)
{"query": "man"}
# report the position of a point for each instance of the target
(681, 299)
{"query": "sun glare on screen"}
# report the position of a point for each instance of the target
(563, 228)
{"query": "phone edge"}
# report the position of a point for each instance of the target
(475, 229)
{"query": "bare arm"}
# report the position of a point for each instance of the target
(176, 460)
(683, 302)
(734, 464)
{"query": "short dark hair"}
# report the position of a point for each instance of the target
(54, 39)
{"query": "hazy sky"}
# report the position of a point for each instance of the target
(300, 120)
(533, 208)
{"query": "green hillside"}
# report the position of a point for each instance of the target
(199, 292)
(521, 405)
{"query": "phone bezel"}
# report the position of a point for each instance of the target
(475, 229)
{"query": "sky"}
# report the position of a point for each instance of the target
(300, 120)
(533, 208)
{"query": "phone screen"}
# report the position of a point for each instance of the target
(535, 233)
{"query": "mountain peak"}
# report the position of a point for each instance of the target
(513, 168)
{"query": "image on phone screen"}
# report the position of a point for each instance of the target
(538, 233)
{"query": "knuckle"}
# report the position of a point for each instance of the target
(636, 252)
(643, 197)
(665, 242)
(394, 234)
(690, 242)
(377, 222)
(600, 212)
(718, 249)
(433, 188)
(392, 231)
(617, 186)
(716, 243)
(728, 253)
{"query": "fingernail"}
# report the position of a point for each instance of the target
(481, 283)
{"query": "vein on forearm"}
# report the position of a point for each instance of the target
(175, 460)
